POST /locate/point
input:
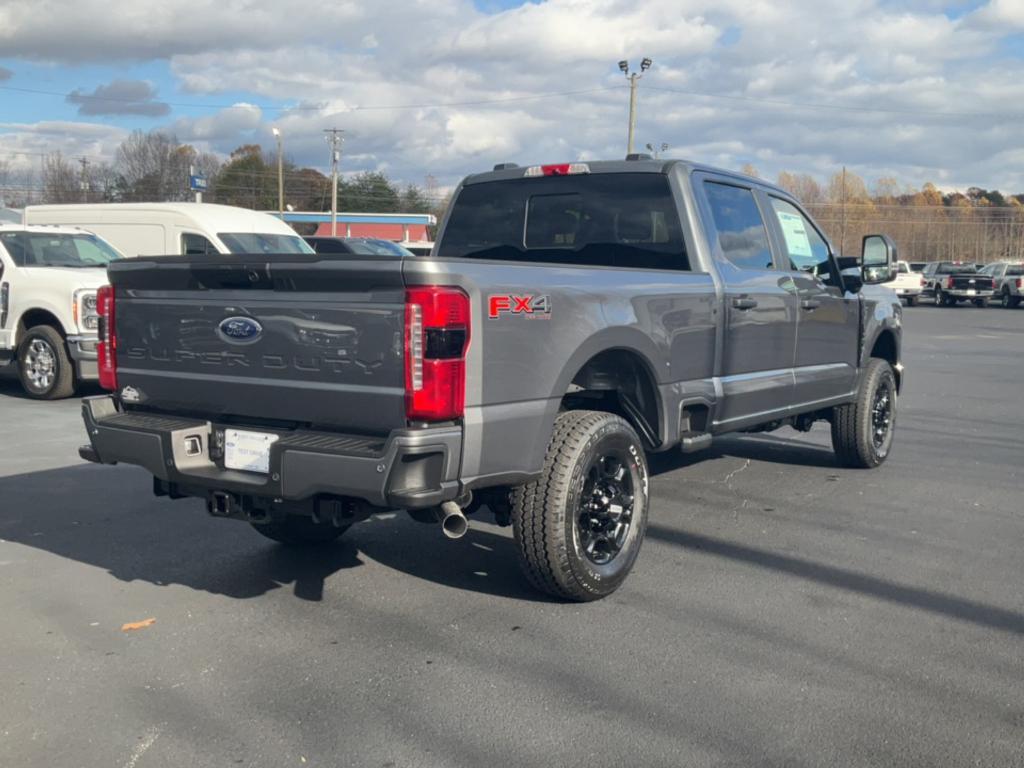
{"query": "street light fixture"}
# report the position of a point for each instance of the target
(634, 80)
(280, 173)
(656, 150)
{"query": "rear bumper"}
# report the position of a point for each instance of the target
(410, 468)
(901, 292)
(970, 293)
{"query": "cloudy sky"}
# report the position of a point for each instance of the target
(924, 90)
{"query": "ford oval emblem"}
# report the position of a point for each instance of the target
(239, 330)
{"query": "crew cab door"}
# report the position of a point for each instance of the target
(759, 339)
(828, 325)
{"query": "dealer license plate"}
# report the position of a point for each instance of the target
(248, 451)
(971, 291)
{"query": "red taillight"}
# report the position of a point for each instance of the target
(993, 283)
(923, 281)
(949, 282)
(1020, 283)
(106, 349)
(436, 339)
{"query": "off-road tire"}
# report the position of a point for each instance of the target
(299, 531)
(61, 382)
(852, 424)
(545, 512)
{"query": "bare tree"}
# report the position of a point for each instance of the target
(61, 180)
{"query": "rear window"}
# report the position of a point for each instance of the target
(603, 220)
(949, 268)
(1015, 269)
(257, 242)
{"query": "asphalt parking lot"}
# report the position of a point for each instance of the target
(783, 611)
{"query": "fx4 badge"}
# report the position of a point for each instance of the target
(537, 307)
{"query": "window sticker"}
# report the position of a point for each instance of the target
(795, 231)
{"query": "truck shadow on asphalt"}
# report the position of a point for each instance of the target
(106, 517)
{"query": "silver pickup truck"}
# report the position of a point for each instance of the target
(571, 318)
(1009, 282)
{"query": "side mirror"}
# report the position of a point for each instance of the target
(878, 260)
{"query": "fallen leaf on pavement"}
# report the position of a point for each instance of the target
(133, 625)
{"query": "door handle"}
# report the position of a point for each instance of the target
(810, 304)
(744, 303)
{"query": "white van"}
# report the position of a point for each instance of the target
(163, 229)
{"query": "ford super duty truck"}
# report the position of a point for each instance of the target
(48, 319)
(571, 319)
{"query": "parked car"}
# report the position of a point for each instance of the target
(418, 247)
(950, 282)
(48, 317)
(1009, 282)
(908, 284)
(191, 229)
(358, 246)
(569, 321)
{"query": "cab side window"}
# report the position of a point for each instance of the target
(806, 249)
(741, 231)
(196, 245)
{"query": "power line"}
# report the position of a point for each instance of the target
(837, 107)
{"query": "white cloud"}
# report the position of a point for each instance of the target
(342, 62)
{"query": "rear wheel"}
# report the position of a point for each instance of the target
(911, 301)
(44, 367)
(580, 526)
(1010, 301)
(862, 431)
(981, 303)
(299, 531)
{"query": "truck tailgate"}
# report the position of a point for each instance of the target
(302, 338)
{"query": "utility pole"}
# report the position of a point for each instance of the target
(280, 174)
(634, 81)
(84, 184)
(335, 140)
(842, 226)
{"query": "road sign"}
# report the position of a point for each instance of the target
(198, 183)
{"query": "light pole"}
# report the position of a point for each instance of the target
(656, 150)
(634, 81)
(280, 173)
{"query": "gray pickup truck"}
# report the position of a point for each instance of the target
(571, 318)
(950, 282)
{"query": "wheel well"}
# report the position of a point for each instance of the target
(35, 317)
(619, 381)
(885, 349)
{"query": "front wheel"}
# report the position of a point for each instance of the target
(940, 300)
(299, 531)
(579, 527)
(44, 366)
(862, 431)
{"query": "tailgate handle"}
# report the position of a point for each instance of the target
(810, 304)
(742, 302)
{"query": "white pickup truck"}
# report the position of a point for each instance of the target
(908, 284)
(48, 318)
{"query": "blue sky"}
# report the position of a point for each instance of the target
(922, 90)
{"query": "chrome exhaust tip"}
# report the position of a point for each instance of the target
(453, 523)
